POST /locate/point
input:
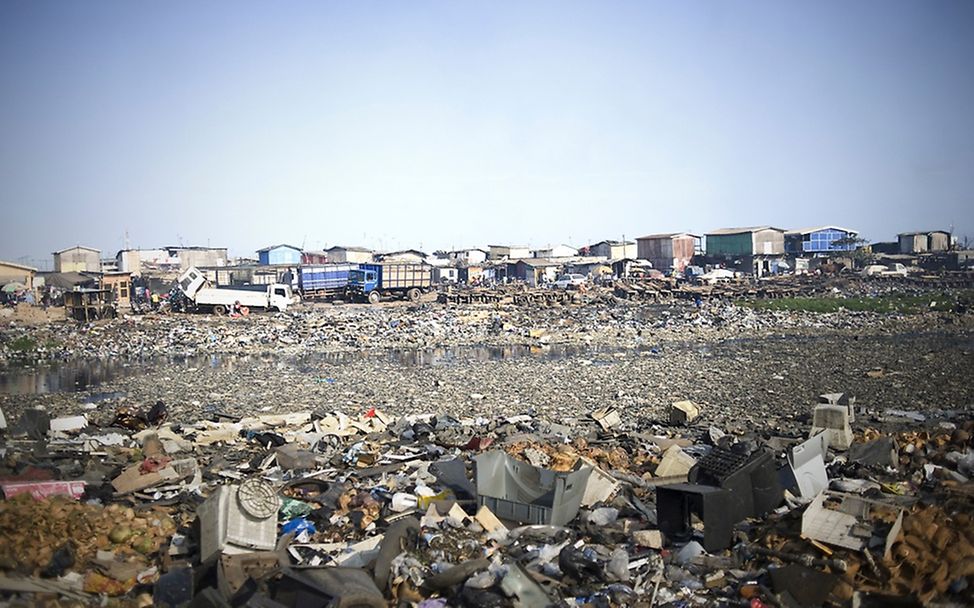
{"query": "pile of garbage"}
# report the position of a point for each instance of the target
(366, 509)
(325, 328)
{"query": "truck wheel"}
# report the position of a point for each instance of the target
(220, 310)
(413, 295)
(374, 297)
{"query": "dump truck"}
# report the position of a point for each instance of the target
(324, 281)
(218, 300)
(374, 282)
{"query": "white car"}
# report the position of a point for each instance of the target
(570, 281)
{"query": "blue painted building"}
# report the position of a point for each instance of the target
(279, 254)
(819, 240)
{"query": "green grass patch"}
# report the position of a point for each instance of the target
(23, 344)
(898, 303)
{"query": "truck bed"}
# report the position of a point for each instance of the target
(405, 276)
(227, 297)
(324, 277)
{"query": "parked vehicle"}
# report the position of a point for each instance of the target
(192, 286)
(569, 281)
(890, 270)
(324, 281)
(373, 282)
(717, 275)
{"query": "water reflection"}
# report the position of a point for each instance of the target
(64, 377)
(76, 376)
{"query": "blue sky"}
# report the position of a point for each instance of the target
(438, 125)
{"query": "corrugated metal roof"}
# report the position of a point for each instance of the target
(611, 243)
(540, 262)
(922, 232)
(667, 235)
(817, 228)
(14, 265)
(729, 231)
(402, 252)
(360, 249)
(276, 246)
(77, 247)
(67, 280)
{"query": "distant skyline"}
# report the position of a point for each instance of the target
(440, 125)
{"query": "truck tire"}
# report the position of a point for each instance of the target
(374, 297)
(413, 294)
(220, 310)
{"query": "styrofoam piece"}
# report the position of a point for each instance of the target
(832, 526)
(807, 462)
(847, 520)
(675, 463)
(600, 486)
(683, 412)
(68, 423)
(607, 417)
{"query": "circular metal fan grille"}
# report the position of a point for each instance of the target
(257, 498)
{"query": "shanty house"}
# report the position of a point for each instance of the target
(17, 273)
(668, 250)
(468, 256)
(446, 274)
(120, 283)
(68, 281)
(349, 255)
(756, 240)
(406, 256)
(77, 259)
(758, 249)
(819, 240)
(140, 260)
(279, 254)
(199, 256)
(629, 267)
(557, 251)
(613, 250)
(919, 242)
(590, 266)
(938, 240)
(470, 274)
(169, 259)
(508, 252)
(314, 257)
(534, 271)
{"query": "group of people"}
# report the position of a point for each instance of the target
(12, 298)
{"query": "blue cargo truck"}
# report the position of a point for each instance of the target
(324, 281)
(375, 282)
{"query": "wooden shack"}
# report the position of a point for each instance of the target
(89, 304)
(120, 283)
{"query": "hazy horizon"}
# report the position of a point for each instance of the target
(439, 125)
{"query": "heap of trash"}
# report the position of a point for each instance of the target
(314, 329)
(841, 508)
